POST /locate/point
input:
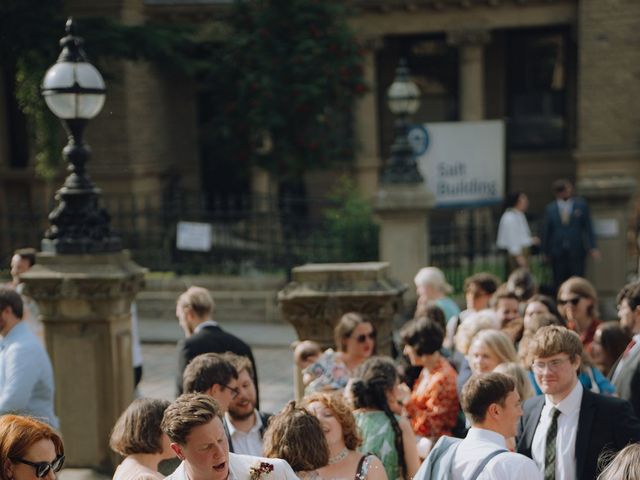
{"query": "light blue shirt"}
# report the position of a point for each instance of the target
(26, 376)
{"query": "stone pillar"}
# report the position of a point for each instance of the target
(319, 294)
(404, 230)
(470, 44)
(85, 303)
(367, 122)
(609, 200)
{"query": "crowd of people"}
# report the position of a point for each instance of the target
(515, 385)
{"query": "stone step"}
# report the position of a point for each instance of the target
(251, 298)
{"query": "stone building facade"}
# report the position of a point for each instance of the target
(563, 73)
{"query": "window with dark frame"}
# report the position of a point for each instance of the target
(538, 78)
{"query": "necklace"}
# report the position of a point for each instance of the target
(341, 455)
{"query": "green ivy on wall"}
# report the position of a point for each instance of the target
(280, 76)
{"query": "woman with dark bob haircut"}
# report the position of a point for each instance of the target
(29, 449)
(433, 405)
(341, 432)
(137, 437)
(297, 437)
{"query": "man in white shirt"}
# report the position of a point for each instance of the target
(193, 424)
(492, 404)
(567, 429)
(625, 373)
(246, 425)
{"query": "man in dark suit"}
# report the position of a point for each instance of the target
(567, 429)
(567, 233)
(625, 373)
(194, 310)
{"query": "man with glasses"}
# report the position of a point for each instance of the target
(213, 375)
(567, 429)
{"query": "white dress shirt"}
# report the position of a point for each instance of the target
(246, 443)
(623, 358)
(477, 445)
(240, 469)
(206, 323)
(566, 437)
(513, 232)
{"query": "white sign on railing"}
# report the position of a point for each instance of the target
(193, 236)
(462, 162)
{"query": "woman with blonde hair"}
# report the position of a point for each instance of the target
(355, 340)
(489, 349)
(578, 304)
(343, 439)
(625, 465)
(519, 374)
(137, 437)
(29, 449)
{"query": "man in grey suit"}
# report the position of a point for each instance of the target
(567, 233)
(625, 373)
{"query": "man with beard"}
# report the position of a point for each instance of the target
(245, 424)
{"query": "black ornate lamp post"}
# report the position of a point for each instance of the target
(74, 91)
(403, 99)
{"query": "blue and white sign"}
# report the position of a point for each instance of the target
(418, 139)
(463, 164)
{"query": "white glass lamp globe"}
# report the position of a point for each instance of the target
(74, 90)
(403, 96)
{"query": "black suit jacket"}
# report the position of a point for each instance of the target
(605, 423)
(211, 339)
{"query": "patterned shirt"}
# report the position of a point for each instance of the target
(433, 405)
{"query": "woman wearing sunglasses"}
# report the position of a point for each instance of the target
(355, 340)
(29, 449)
(137, 437)
(578, 304)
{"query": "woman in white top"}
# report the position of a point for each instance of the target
(137, 436)
(514, 235)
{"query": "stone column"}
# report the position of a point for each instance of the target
(404, 229)
(85, 303)
(470, 44)
(367, 122)
(609, 198)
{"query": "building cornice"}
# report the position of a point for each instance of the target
(385, 6)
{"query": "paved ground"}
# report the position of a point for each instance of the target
(270, 345)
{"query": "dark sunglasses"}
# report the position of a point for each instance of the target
(42, 468)
(234, 391)
(573, 301)
(363, 337)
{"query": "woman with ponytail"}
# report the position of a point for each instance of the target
(375, 392)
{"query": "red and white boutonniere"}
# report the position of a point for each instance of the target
(260, 470)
